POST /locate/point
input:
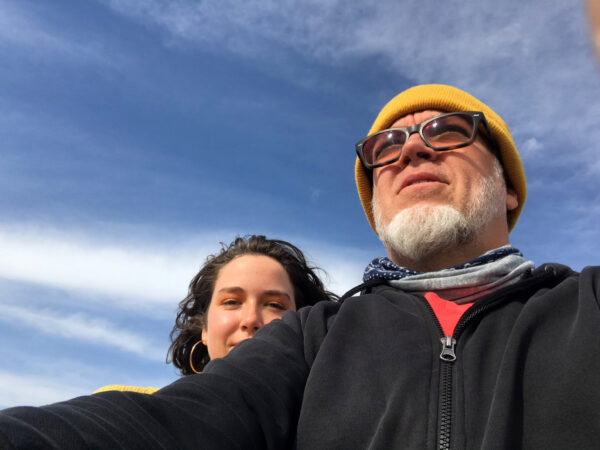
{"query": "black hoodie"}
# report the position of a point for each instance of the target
(367, 373)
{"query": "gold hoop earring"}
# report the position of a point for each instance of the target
(192, 355)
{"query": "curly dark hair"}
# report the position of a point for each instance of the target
(191, 315)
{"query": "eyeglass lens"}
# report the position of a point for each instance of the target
(440, 133)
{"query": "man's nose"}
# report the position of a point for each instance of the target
(414, 150)
(251, 319)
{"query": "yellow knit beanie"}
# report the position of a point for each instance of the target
(446, 98)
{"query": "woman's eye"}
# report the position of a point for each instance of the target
(276, 305)
(230, 302)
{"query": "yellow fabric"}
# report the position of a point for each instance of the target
(446, 98)
(124, 388)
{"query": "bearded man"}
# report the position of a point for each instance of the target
(456, 341)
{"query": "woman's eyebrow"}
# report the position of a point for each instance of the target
(275, 292)
(238, 290)
(231, 290)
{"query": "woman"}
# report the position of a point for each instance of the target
(251, 282)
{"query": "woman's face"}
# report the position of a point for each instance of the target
(250, 291)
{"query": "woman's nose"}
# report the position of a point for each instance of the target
(251, 319)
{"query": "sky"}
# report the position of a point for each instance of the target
(136, 135)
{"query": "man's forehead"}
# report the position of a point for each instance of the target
(416, 117)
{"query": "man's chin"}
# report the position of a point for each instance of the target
(418, 232)
(424, 207)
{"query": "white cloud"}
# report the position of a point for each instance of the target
(343, 265)
(315, 193)
(33, 390)
(138, 269)
(343, 274)
(529, 148)
(72, 261)
(39, 379)
(80, 327)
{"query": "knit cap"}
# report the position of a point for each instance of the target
(449, 99)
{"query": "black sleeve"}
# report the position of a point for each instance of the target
(250, 399)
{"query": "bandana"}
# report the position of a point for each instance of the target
(464, 283)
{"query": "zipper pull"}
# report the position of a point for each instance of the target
(448, 344)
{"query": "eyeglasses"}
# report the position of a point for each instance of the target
(444, 132)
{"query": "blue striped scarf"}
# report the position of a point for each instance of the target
(464, 283)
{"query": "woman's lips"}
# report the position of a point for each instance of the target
(233, 344)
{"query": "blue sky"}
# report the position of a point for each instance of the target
(137, 135)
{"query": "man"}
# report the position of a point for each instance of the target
(456, 342)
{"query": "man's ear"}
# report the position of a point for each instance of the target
(512, 201)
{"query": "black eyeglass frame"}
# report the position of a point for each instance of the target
(478, 118)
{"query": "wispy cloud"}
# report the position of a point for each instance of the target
(30, 31)
(38, 379)
(33, 390)
(417, 42)
(530, 148)
(83, 328)
(527, 65)
(72, 261)
(536, 68)
(137, 270)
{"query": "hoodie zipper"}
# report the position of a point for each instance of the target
(448, 352)
(447, 357)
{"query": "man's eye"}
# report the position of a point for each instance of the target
(453, 130)
(387, 150)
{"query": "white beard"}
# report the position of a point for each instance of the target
(421, 231)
